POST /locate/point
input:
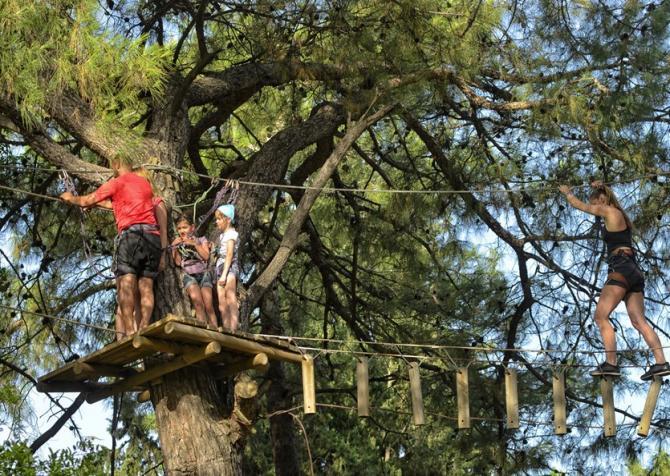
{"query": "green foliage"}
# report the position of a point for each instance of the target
(85, 458)
(514, 98)
(56, 47)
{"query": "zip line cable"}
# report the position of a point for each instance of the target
(55, 318)
(381, 354)
(178, 172)
(528, 422)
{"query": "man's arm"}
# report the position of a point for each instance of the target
(83, 201)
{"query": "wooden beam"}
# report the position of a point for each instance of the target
(415, 392)
(182, 331)
(560, 425)
(463, 397)
(257, 362)
(607, 390)
(511, 399)
(649, 406)
(362, 387)
(308, 386)
(63, 386)
(85, 369)
(144, 396)
(184, 360)
(158, 345)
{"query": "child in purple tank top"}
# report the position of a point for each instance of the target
(191, 253)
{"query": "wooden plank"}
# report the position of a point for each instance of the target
(463, 398)
(122, 352)
(649, 406)
(181, 331)
(211, 349)
(607, 390)
(511, 399)
(560, 425)
(257, 362)
(308, 385)
(362, 387)
(415, 392)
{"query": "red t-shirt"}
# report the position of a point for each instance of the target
(132, 200)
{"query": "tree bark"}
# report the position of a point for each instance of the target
(197, 434)
(282, 427)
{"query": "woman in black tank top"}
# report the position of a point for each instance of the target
(625, 281)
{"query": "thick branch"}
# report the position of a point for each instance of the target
(50, 150)
(58, 424)
(290, 240)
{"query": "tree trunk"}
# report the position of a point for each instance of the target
(282, 426)
(197, 434)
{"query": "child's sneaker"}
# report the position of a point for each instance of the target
(606, 369)
(656, 370)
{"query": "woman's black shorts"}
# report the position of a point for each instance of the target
(137, 251)
(624, 272)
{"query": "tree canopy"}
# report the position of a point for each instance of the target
(440, 131)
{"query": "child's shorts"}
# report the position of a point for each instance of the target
(234, 270)
(204, 280)
(137, 251)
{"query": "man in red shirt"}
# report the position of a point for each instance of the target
(137, 252)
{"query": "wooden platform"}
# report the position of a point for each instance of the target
(118, 366)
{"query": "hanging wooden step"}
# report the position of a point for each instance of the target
(649, 406)
(179, 342)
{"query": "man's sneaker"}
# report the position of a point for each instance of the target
(606, 369)
(656, 370)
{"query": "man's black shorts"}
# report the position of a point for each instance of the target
(624, 272)
(138, 251)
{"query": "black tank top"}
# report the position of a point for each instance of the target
(617, 239)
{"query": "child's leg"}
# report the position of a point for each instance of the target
(194, 293)
(146, 286)
(208, 302)
(125, 286)
(223, 305)
(231, 302)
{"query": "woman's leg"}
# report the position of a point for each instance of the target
(635, 308)
(196, 300)
(610, 297)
